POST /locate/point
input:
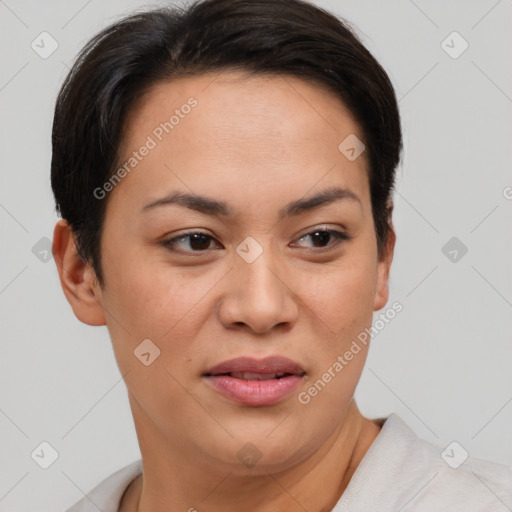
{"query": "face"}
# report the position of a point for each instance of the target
(266, 273)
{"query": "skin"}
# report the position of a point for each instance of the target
(256, 143)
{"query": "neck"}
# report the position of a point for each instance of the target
(316, 483)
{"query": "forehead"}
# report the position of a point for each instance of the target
(251, 103)
(219, 130)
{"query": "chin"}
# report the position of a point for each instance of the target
(259, 454)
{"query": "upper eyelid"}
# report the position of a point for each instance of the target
(189, 234)
(339, 236)
(306, 231)
(321, 227)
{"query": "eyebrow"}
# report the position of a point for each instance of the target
(217, 208)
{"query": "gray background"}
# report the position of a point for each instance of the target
(443, 364)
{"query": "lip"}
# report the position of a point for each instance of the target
(256, 392)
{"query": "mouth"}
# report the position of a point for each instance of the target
(253, 376)
(256, 382)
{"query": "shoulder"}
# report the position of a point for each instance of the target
(107, 495)
(400, 471)
(454, 481)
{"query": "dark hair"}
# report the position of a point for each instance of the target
(124, 60)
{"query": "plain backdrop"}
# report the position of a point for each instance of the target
(443, 364)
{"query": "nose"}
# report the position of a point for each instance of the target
(258, 296)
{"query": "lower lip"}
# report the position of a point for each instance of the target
(255, 392)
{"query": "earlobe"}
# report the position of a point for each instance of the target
(77, 278)
(383, 271)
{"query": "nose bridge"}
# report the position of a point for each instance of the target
(257, 295)
(256, 266)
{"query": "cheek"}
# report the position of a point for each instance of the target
(342, 300)
(342, 296)
(149, 296)
(150, 302)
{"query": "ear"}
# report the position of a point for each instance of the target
(77, 278)
(383, 269)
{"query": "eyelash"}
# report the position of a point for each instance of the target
(339, 236)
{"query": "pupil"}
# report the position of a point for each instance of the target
(322, 236)
(199, 241)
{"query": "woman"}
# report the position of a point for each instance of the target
(224, 175)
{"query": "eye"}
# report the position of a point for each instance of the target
(199, 242)
(322, 237)
(195, 241)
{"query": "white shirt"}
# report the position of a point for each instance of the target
(400, 472)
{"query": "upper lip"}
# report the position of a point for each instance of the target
(272, 364)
